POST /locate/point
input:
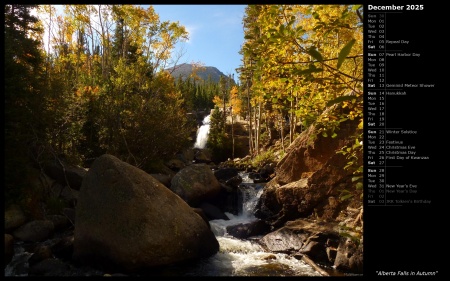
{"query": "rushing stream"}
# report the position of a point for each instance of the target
(236, 257)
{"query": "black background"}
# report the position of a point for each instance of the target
(409, 238)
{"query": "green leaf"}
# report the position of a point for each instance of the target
(345, 197)
(344, 52)
(340, 99)
(356, 178)
(315, 54)
(359, 185)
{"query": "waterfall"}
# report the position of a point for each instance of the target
(246, 257)
(248, 198)
(202, 133)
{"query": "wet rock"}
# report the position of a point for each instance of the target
(213, 212)
(246, 230)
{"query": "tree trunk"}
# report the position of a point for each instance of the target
(258, 133)
(281, 130)
(291, 123)
(232, 132)
(250, 126)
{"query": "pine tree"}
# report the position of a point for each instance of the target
(25, 115)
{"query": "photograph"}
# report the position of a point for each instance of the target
(221, 140)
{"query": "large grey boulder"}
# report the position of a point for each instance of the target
(305, 237)
(126, 217)
(195, 183)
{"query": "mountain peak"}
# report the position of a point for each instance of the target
(186, 70)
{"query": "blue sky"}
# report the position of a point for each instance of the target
(215, 33)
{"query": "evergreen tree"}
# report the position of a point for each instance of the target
(24, 89)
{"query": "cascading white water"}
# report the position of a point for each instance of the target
(202, 133)
(239, 257)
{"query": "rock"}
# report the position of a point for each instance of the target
(308, 156)
(202, 214)
(213, 212)
(127, 219)
(267, 170)
(69, 195)
(331, 254)
(9, 248)
(310, 173)
(225, 174)
(41, 253)
(227, 200)
(296, 236)
(14, 217)
(70, 214)
(34, 231)
(195, 183)
(50, 267)
(301, 198)
(349, 256)
(60, 222)
(175, 164)
(246, 230)
(69, 175)
(316, 251)
(187, 156)
(162, 178)
(63, 247)
(284, 240)
(234, 181)
(203, 156)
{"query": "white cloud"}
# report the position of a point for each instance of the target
(192, 30)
